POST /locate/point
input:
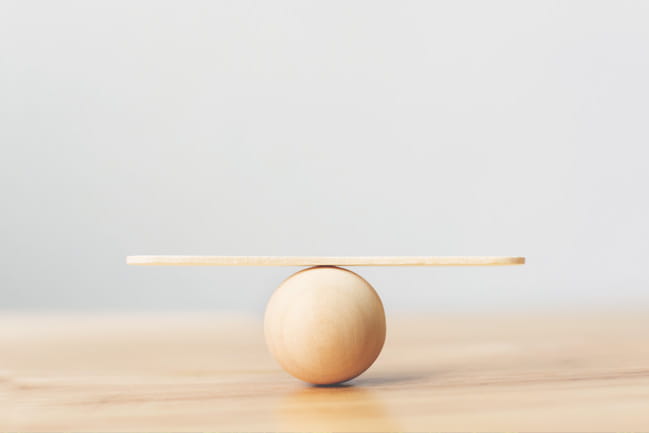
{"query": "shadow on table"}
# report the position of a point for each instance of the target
(390, 379)
(350, 406)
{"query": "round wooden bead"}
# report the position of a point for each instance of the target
(325, 325)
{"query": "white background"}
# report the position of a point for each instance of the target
(324, 128)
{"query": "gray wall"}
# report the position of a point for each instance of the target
(337, 128)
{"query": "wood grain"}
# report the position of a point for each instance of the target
(323, 261)
(325, 325)
(568, 372)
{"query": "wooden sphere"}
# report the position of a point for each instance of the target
(325, 325)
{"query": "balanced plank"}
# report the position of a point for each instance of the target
(163, 260)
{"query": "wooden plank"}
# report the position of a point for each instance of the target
(323, 261)
(518, 372)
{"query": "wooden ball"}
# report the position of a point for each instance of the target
(325, 325)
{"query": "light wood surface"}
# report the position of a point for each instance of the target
(542, 372)
(323, 261)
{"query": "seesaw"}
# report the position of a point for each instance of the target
(324, 324)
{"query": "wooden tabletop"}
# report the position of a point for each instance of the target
(154, 372)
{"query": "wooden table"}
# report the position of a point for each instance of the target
(541, 372)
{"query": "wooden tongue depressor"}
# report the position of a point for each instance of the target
(324, 261)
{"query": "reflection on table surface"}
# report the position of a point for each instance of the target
(340, 408)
